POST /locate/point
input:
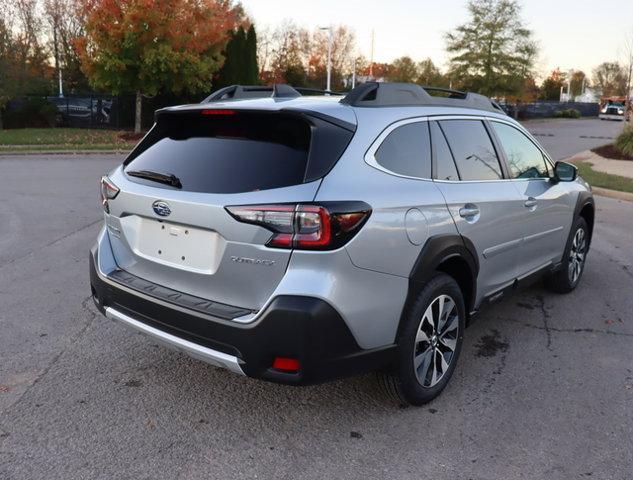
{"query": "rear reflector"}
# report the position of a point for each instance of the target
(286, 364)
(306, 226)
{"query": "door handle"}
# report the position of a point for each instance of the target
(469, 211)
(530, 202)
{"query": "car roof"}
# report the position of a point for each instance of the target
(331, 106)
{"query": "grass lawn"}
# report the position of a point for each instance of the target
(62, 139)
(604, 180)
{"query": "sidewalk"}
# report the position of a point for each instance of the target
(623, 168)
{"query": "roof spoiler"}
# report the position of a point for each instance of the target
(277, 90)
(387, 94)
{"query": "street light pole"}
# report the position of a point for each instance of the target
(329, 56)
(354, 74)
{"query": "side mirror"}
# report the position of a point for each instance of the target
(565, 172)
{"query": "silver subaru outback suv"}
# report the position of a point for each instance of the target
(299, 239)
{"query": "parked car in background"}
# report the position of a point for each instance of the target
(613, 108)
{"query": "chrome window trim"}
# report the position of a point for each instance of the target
(370, 155)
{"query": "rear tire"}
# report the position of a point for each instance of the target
(568, 276)
(429, 343)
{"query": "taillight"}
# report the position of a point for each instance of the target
(306, 226)
(108, 192)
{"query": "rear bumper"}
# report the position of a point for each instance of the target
(305, 328)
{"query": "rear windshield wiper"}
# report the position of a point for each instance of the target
(166, 178)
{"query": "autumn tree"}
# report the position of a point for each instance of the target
(551, 86)
(147, 46)
(430, 75)
(376, 70)
(403, 69)
(343, 47)
(65, 27)
(24, 67)
(7, 66)
(282, 50)
(578, 80)
(298, 56)
(627, 57)
(493, 49)
(610, 79)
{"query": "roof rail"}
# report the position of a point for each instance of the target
(387, 94)
(317, 90)
(241, 92)
(238, 92)
(277, 90)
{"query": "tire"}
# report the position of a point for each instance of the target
(435, 353)
(567, 277)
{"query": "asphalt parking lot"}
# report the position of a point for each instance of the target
(544, 387)
(564, 137)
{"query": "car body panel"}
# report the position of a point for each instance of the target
(239, 270)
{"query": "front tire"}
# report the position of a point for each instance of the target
(572, 267)
(429, 343)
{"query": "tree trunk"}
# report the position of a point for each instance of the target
(1, 124)
(137, 116)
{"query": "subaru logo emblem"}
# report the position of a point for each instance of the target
(161, 208)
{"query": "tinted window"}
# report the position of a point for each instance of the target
(407, 151)
(524, 159)
(473, 150)
(234, 153)
(444, 164)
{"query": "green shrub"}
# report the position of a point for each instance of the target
(567, 113)
(624, 141)
(31, 112)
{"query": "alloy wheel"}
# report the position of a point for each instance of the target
(577, 255)
(436, 340)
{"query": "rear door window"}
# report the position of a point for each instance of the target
(407, 151)
(236, 151)
(473, 150)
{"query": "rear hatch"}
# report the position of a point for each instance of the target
(169, 224)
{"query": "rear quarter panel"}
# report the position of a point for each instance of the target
(394, 235)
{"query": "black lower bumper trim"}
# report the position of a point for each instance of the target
(215, 309)
(306, 328)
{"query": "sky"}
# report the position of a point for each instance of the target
(572, 34)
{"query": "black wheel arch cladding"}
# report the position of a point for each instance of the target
(450, 250)
(586, 208)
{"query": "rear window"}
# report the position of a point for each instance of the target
(407, 151)
(236, 152)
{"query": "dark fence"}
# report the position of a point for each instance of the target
(92, 111)
(117, 112)
(86, 111)
(548, 109)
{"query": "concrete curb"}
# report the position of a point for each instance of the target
(605, 192)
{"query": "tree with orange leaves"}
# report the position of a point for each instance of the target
(148, 46)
